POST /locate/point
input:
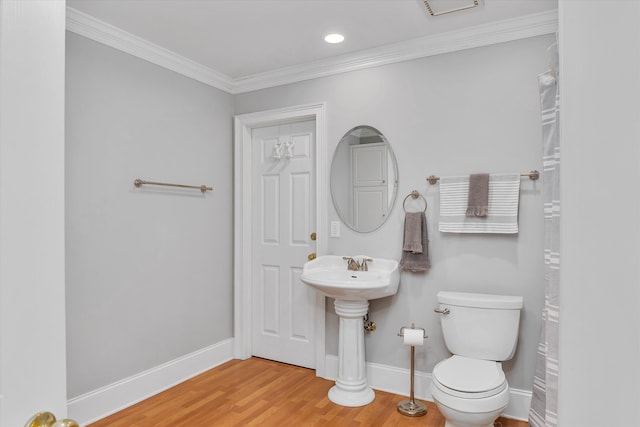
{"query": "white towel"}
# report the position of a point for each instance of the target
(502, 216)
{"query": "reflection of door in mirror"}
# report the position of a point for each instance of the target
(364, 178)
(369, 185)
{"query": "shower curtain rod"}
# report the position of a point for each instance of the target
(533, 175)
(140, 182)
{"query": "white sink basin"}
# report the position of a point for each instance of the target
(352, 291)
(328, 274)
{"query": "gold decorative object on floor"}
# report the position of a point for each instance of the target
(47, 419)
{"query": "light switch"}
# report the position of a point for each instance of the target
(335, 228)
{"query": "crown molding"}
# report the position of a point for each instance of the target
(477, 36)
(86, 25)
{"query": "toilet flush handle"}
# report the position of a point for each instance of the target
(442, 311)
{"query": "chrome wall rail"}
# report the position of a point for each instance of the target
(533, 176)
(140, 182)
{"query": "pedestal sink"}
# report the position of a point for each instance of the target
(352, 291)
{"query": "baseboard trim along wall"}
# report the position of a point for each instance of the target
(100, 403)
(397, 381)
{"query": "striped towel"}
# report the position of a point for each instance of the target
(502, 217)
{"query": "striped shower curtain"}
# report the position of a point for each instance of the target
(544, 403)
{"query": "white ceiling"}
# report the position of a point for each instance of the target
(244, 38)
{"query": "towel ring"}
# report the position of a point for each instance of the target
(414, 195)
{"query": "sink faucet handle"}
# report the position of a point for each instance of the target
(352, 264)
(364, 266)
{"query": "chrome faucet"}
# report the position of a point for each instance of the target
(354, 265)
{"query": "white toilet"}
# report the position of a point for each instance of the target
(481, 331)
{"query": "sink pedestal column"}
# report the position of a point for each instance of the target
(351, 387)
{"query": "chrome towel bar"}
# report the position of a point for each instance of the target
(533, 176)
(140, 182)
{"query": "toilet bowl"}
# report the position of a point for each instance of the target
(469, 392)
(470, 388)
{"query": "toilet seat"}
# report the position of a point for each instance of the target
(469, 378)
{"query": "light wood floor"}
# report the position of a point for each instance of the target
(258, 392)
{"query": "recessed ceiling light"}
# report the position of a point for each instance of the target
(334, 38)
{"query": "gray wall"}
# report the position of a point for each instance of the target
(470, 111)
(149, 271)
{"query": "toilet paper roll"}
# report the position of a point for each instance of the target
(413, 337)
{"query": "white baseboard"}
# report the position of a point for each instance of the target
(396, 380)
(112, 398)
(519, 404)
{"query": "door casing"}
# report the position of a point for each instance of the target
(244, 203)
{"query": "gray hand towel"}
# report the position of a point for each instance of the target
(478, 202)
(416, 261)
(412, 232)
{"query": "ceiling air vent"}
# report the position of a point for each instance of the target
(435, 7)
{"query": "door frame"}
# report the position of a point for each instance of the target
(244, 202)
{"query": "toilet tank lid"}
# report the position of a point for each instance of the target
(466, 299)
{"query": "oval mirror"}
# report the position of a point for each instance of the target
(364, 179)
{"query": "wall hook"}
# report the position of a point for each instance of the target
(277, 151)
(290, 144)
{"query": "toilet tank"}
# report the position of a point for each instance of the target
(480, 326)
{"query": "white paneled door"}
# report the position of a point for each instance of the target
(283, 220)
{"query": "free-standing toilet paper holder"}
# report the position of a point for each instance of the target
(410, 407)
